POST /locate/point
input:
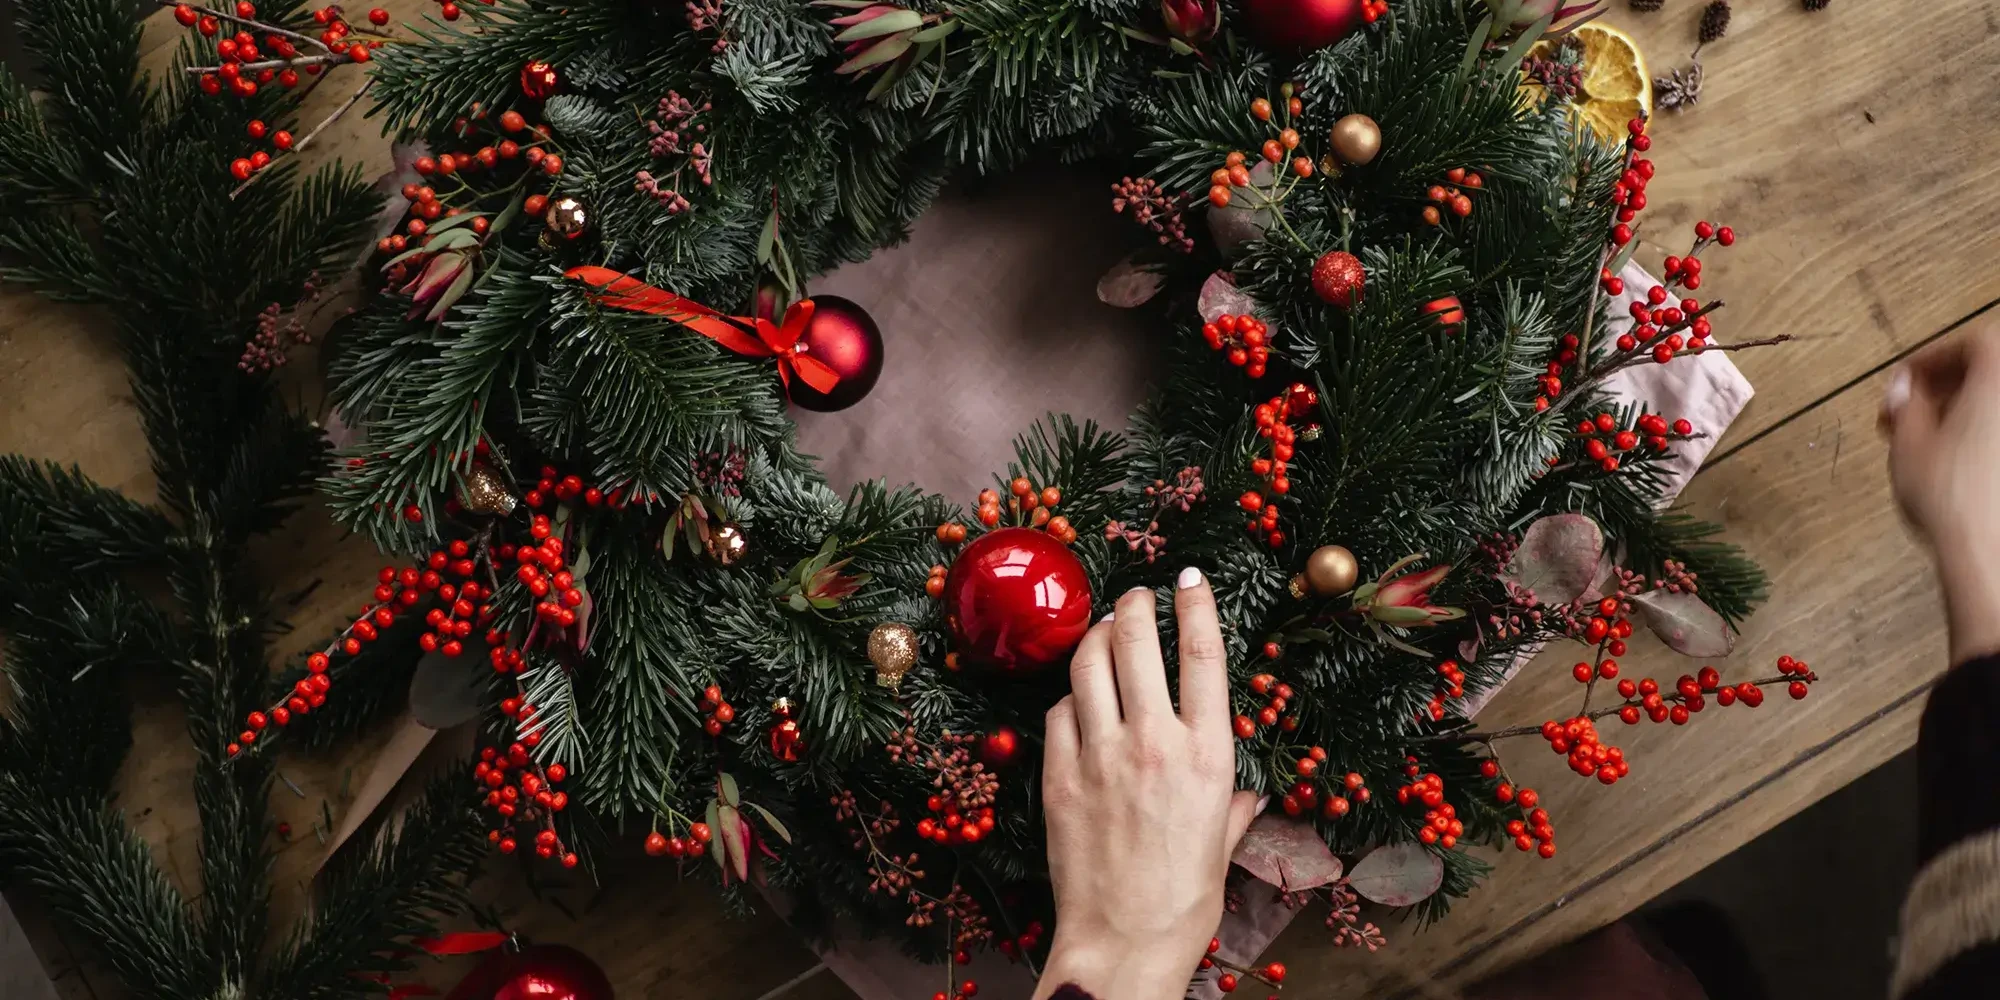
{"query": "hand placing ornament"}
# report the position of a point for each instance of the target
(1018, 600)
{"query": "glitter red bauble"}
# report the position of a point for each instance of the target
(843, 335)
(539, 79)
(1301, 25)
(1337, 278)
(1000, 746)
(1017, 600)
(537, 972)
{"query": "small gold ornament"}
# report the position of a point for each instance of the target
(892, 647)
(1298, 587)
(485, 492)
(1331, 570)
(567, 218)
(727, 543)
(1355, 139)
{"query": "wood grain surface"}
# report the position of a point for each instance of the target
(1854, 160)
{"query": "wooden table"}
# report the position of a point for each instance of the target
(1851, 155)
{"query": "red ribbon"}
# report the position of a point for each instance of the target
(462, 942)
(755, 337)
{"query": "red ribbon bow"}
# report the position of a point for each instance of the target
(755, 337)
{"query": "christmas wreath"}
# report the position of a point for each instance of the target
(1383, 275)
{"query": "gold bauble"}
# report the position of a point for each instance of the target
(1331, 570)
(727, 543)
(1355, 139)
(892, 647)
(485, 492)
(567, 218)
(1297, 587)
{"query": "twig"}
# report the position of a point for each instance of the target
(252, 67)
(300, 146)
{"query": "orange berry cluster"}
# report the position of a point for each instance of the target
(1452, 194)
(934, 586)
(1273, 711)
(1036, 506)
(719, 712)
(1577, 738)
(1246, 339)
(950, 533)
(694, 845)
(1454, 687)
(1274, 421)
(1235, 169)
(523, 792)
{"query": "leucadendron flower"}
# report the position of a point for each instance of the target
(1404, 601)
(1191, 21)
(1514, 15)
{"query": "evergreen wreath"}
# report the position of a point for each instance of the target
(1409, 474)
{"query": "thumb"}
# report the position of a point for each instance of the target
(1911, 416)
(1244, 806)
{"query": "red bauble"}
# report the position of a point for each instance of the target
(539, 79)
(538, 972)
(1337, 278)
(1018, 600)
(1301, 25)
(843, 335)
(1450, 314)
(1001, 744)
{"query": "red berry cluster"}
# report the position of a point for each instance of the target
(1689, 694)
(1532, 832)
(1271, 974)
(1629, 194)
(1452, 195)
(1030, 507)
(1577, 738)
(1304, 795)
(1246, 339)
(1274, 422)
(522, 792)
(259, 53)
(951, 826)
(694, 845)
(242, 167)
(1374, 10)
(719, 712)
(965, 991)
(1273, 711)
(1235, 169)
(447, 9)
(1022, 944)
(1454, 687)
(1441, 823)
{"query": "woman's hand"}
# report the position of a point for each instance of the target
(1140, 816)
(1942, 415)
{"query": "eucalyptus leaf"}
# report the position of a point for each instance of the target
(876, 27)
(725, 788)
(1397, 875)
(772, 822)
(1685, 623)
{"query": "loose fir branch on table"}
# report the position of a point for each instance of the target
(1384, 432)
(118, 190)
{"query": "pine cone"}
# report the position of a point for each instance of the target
(1816, 4)
(1653, 5)
(1714, 21)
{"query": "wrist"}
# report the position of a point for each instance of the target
(1969, 574)
(1115, 972)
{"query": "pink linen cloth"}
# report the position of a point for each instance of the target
(990, 319)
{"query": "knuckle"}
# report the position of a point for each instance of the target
(1203, 647)
(1148, 754)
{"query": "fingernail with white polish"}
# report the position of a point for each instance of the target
(1189, 577)
(1897, 395)
(1263, 804)
(1107, 617)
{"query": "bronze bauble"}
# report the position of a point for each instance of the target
(485, 492)
(727, 543)
(892, 647)
(567, 218)
(1331, 571)
(1355, 139)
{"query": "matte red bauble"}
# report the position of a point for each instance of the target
(539, 79)
(1017, 600)
(1301, 25)
(537, 972)
(843, 335)
(1000, 745)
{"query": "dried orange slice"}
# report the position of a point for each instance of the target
(1616, 87)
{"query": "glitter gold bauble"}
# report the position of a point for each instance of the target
(1331, 570)
(892, 648)
(567, 218)
(1355, 139)
(485, 492)
(727, 543)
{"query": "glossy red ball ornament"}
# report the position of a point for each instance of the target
(1449, 312)
(1000, 746)
(537, 972)
(843, 335)
(539, 79)
(1337, 277)
(1017, 600)
(1301, 25)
